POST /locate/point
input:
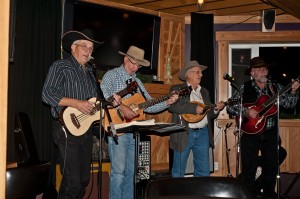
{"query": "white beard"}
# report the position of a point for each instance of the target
(262, 79)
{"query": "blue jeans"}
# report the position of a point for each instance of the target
(122, 167)
(199, 144)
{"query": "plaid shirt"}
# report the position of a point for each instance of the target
(286, 100)
(115, 80)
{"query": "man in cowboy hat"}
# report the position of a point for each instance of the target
(265, 141)
(69, 83)
(198, 135)
(122, 154)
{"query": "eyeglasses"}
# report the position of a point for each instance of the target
(85, 48)
(136, 64)
(198, 72)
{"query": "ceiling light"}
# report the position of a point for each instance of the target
(200, 4)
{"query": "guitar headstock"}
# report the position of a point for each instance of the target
(183, 91)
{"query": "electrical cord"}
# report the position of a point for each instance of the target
(231, 25)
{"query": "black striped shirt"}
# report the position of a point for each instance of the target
(67, 78)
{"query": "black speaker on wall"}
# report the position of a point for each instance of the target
(268, 20)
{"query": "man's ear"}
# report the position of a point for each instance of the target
(73, 47)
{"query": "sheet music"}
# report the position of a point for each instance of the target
(136, 123)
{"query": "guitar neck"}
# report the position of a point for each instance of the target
(152, 102)
(209, 106)
(121, 93)
(274, 97)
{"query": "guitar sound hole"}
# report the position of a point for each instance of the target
(75, 120)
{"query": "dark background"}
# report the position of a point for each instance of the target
(119, 29)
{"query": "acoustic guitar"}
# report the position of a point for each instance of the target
(138, 103)
(77, 123)
(193, 118)
(265, 107)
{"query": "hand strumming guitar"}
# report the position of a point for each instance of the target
(251, 113)
(127, 111)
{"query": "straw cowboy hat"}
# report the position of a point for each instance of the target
(137, 55)
(256, 62)
(71, 36)
(188, 66)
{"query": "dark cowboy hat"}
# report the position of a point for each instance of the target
(71, 36)
(187, 67)
(256, 62)
(137, 55)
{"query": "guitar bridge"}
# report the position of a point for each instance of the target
(75, 120)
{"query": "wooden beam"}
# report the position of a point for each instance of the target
(290, 6)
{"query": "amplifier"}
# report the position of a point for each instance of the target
(144, 158)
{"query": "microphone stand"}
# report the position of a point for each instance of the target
(102, 105)
(238, 153)
(278, 146)
(227, 150)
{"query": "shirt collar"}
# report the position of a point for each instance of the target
(198, 87)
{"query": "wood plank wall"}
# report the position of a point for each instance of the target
(4, 37)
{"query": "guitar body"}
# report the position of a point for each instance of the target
(193, 118)
(78, 123)
(133, 103)
(257, 125)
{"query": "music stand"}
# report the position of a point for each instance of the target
(136, 129)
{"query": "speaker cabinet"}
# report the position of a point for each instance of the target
(24, 141)
(268, 20)
(290, 185)
(92, 188)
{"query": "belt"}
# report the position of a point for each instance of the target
(195, 129)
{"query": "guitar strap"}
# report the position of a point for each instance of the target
(271, 87)
(141, 91)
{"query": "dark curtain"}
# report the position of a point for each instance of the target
(37, 46)
(202, 48)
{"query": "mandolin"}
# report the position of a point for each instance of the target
(193, 118)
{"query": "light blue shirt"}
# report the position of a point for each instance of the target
(115, 80)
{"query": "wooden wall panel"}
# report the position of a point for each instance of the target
(4, 36)
(171, 50)
(159, 144)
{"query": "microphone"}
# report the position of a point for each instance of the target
(91, 60)
(228, 77)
